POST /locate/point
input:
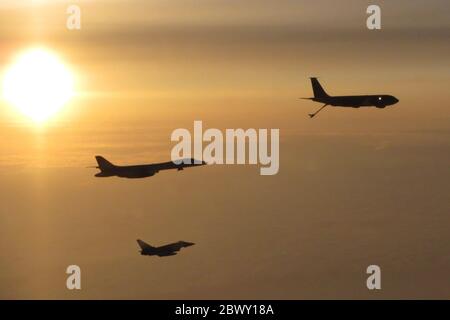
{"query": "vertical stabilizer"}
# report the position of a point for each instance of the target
(317, 89)
(103, 164)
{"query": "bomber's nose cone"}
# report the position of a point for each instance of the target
(188, 244)
(396, 100)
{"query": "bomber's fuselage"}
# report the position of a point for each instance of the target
(142, 171)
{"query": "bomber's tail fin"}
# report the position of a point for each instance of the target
(317, 89)
(144, 245)
(103, 164)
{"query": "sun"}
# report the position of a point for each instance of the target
(38, 84)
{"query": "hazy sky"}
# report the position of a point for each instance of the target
(356, 187)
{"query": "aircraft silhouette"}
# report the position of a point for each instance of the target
(107, 169)
(379, 101)
(170, 249)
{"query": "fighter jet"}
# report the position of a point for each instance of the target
(379, 101)
(170, 249)
(107, 169)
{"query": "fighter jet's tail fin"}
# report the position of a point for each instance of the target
(103, 164)
(319, 92)
(144, 245)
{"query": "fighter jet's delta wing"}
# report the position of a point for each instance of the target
(378, 101)
(170, 249)
(107, 169)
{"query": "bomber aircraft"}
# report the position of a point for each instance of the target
(107, 169)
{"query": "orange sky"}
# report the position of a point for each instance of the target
(355, 186)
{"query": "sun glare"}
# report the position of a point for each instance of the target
(38, 84)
